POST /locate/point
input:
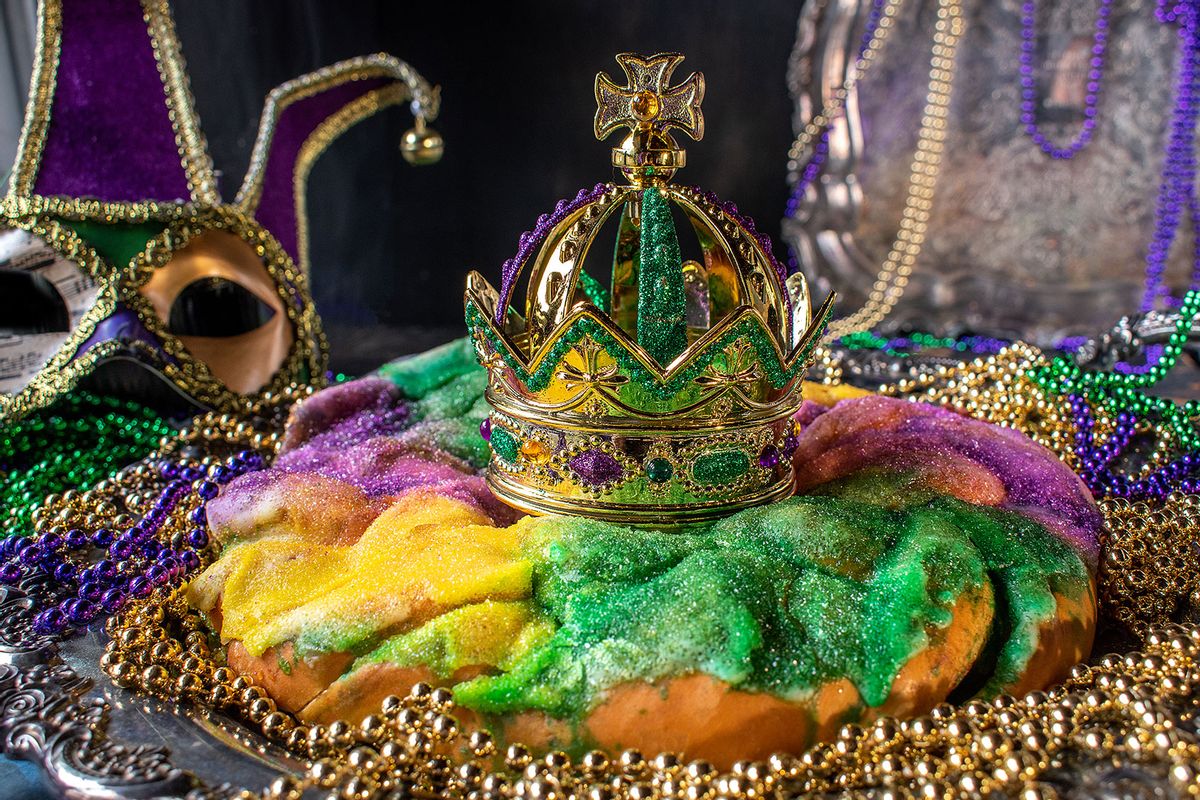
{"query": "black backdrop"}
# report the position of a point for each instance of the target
(391, 243)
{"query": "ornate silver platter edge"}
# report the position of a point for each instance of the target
(90, 739)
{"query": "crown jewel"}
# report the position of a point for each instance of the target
(666, 397)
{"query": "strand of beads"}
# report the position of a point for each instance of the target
(1029, 101)
(919, 341)
(1130, 709)
(870, 48)
(71, 445)
(1177, 186)
(1094, 460)
(1152, 356)
(1148, 573)
(136, 560)
(1121, 391)
(142, 529)
(892, 278)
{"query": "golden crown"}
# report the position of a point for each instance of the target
(667, 398)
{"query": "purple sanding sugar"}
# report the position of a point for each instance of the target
(893, 434)
(809, 410)
(361, 433)
(345, 414)
(379, 465)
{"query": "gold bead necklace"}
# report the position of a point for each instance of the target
(894, 272)
(837, 97)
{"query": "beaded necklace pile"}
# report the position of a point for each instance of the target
(74, 444)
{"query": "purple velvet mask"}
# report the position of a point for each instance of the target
(116, 248)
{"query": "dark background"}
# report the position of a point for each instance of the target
(391, 243)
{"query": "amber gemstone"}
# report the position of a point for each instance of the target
(535, 451)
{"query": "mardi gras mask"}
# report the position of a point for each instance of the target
(120, 265)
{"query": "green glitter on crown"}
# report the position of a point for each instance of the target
(749, 329)
(662, 307)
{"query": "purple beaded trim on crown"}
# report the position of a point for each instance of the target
(764, 241)
(530, 241)
(1029, 100)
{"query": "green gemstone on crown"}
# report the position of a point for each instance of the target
(659, 470)
(720, 467)
(505, 445)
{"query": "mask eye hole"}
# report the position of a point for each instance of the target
(31, 305)
(216, 307)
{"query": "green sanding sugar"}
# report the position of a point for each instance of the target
(782, 598)
(452, 400)
(445, 387)
(418, 375)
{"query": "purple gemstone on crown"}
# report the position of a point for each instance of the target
(769, 457)
(595, 467)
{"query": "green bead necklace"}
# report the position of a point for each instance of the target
(1061, 376)
(74, 444)
(1122, 392)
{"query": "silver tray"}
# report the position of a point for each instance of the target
(92, 739)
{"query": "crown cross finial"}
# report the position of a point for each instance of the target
(648, 102)
(650, 108)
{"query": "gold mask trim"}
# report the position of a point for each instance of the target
(120, 283)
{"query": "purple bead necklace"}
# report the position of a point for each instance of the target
(134, 562)
(1096, 461)
(1029, 101)
(1176, 193)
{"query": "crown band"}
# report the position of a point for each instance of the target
(656, 476)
